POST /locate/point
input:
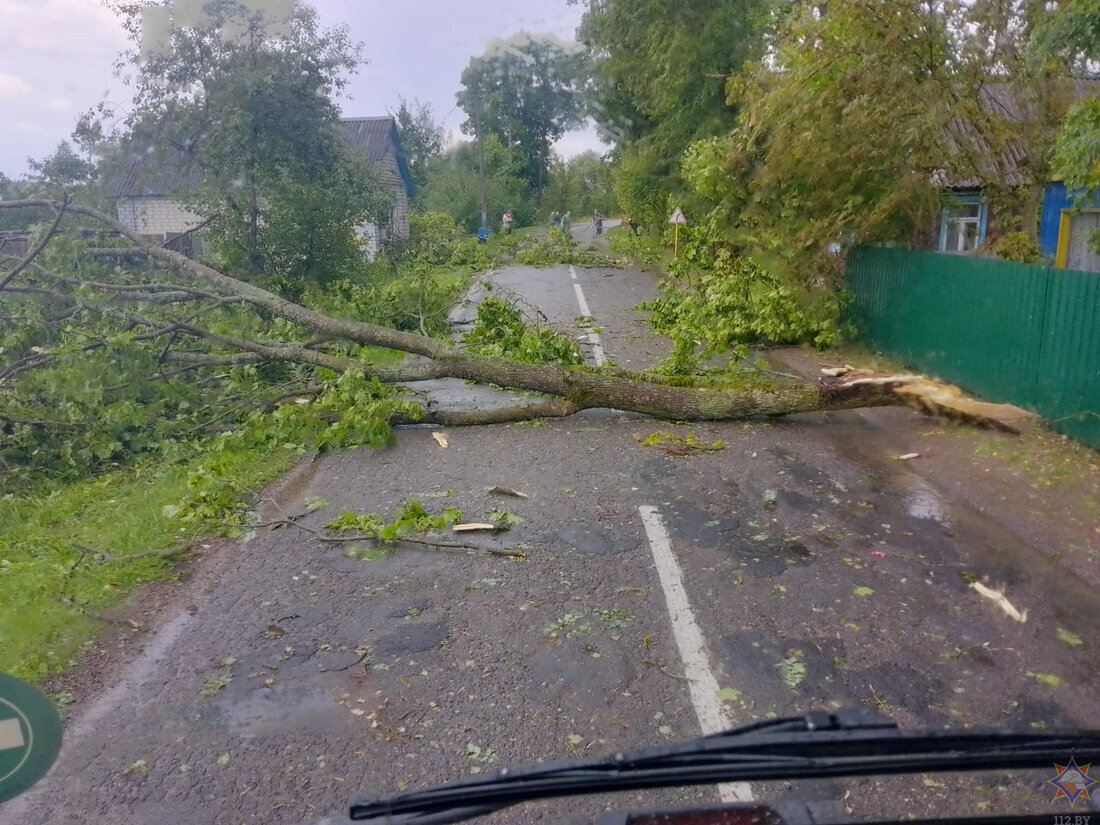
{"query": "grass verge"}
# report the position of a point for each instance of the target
(51, 590)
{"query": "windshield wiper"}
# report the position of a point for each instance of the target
(847, 743)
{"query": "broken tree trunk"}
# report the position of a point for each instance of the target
(578, 388)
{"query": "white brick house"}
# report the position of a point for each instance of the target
(144, 192)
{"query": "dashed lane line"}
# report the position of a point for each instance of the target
(593, 337)
(702, 685)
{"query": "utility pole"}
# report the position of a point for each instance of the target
(481, 167)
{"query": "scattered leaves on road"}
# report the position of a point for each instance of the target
(674, 445)
(862, 592)
(315, 504)
(138, 768)
(1048, 679)
(216, 683)
(223, 760)
(503, 519)
(771, 498)
(792, 671)
(729, 694)
(440, 439)
(1069, 637)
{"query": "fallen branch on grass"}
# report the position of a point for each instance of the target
(108, 558)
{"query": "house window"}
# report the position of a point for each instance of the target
(963, 223)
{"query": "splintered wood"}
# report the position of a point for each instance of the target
(936, 398)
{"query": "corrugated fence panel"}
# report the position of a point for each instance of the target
(1068, 379)
(1026, 335)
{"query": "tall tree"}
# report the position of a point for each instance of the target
(454, 184)
(657, 83)
(421, 138)
(523, 90)
(249, 116)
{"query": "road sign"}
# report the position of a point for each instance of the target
(677, 218)
(30, 736)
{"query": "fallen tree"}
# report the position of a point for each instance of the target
(103, 361)
(578, 388)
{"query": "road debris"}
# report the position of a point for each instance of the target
(440, 439)
(906, 456)
(506, 491)
(473, 526)
(998, 597)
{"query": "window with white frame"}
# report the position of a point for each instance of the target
(962, 226)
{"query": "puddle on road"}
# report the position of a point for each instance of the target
(925, 503)
(280, 710)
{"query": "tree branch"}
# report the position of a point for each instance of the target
(38, 247)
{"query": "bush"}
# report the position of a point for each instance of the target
(559, 248)
(733, 305)
(433, 237)
(1017, 246)
(500, 331)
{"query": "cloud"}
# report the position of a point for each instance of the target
(12, 86)
(58, 28)
(60, 104)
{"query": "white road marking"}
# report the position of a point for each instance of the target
(597, 346)
(689, 639)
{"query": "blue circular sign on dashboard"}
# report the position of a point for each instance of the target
(30, 735)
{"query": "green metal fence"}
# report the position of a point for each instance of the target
(1021, 334)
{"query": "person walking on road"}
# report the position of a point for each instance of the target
(566, 219)
(597, 222)
(506, 222)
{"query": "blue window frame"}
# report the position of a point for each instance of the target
(963, 223)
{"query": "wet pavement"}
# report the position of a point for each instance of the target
(291, 677)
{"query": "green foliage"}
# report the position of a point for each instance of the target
(500, 331)
(1077, 154)
(643, 248)
(581, 185)
(51, 588)
(414, 301)
(657, 83)
(454, 186)
(412, 518)
(523, 92)
(432, 238)
(732, 306)
(252, 120)
(555, 248)
(353, 411)
(1017, 246)
(421, 138)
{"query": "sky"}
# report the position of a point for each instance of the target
(57, 56)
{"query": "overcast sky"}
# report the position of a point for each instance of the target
(56, 60)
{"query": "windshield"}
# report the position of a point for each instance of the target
(392, 394)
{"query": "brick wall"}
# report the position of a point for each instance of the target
(155, 215)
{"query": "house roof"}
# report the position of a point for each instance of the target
(154, 173)
(160, 173)
(1010, 166)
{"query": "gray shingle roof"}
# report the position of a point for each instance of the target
(1010, 167)
(152, 174)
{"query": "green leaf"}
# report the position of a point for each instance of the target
(729, 694)
(1069, 637)
(862, 592)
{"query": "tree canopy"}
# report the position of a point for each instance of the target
(523, 91)
(251, 121)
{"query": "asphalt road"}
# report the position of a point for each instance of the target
(797, 568)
